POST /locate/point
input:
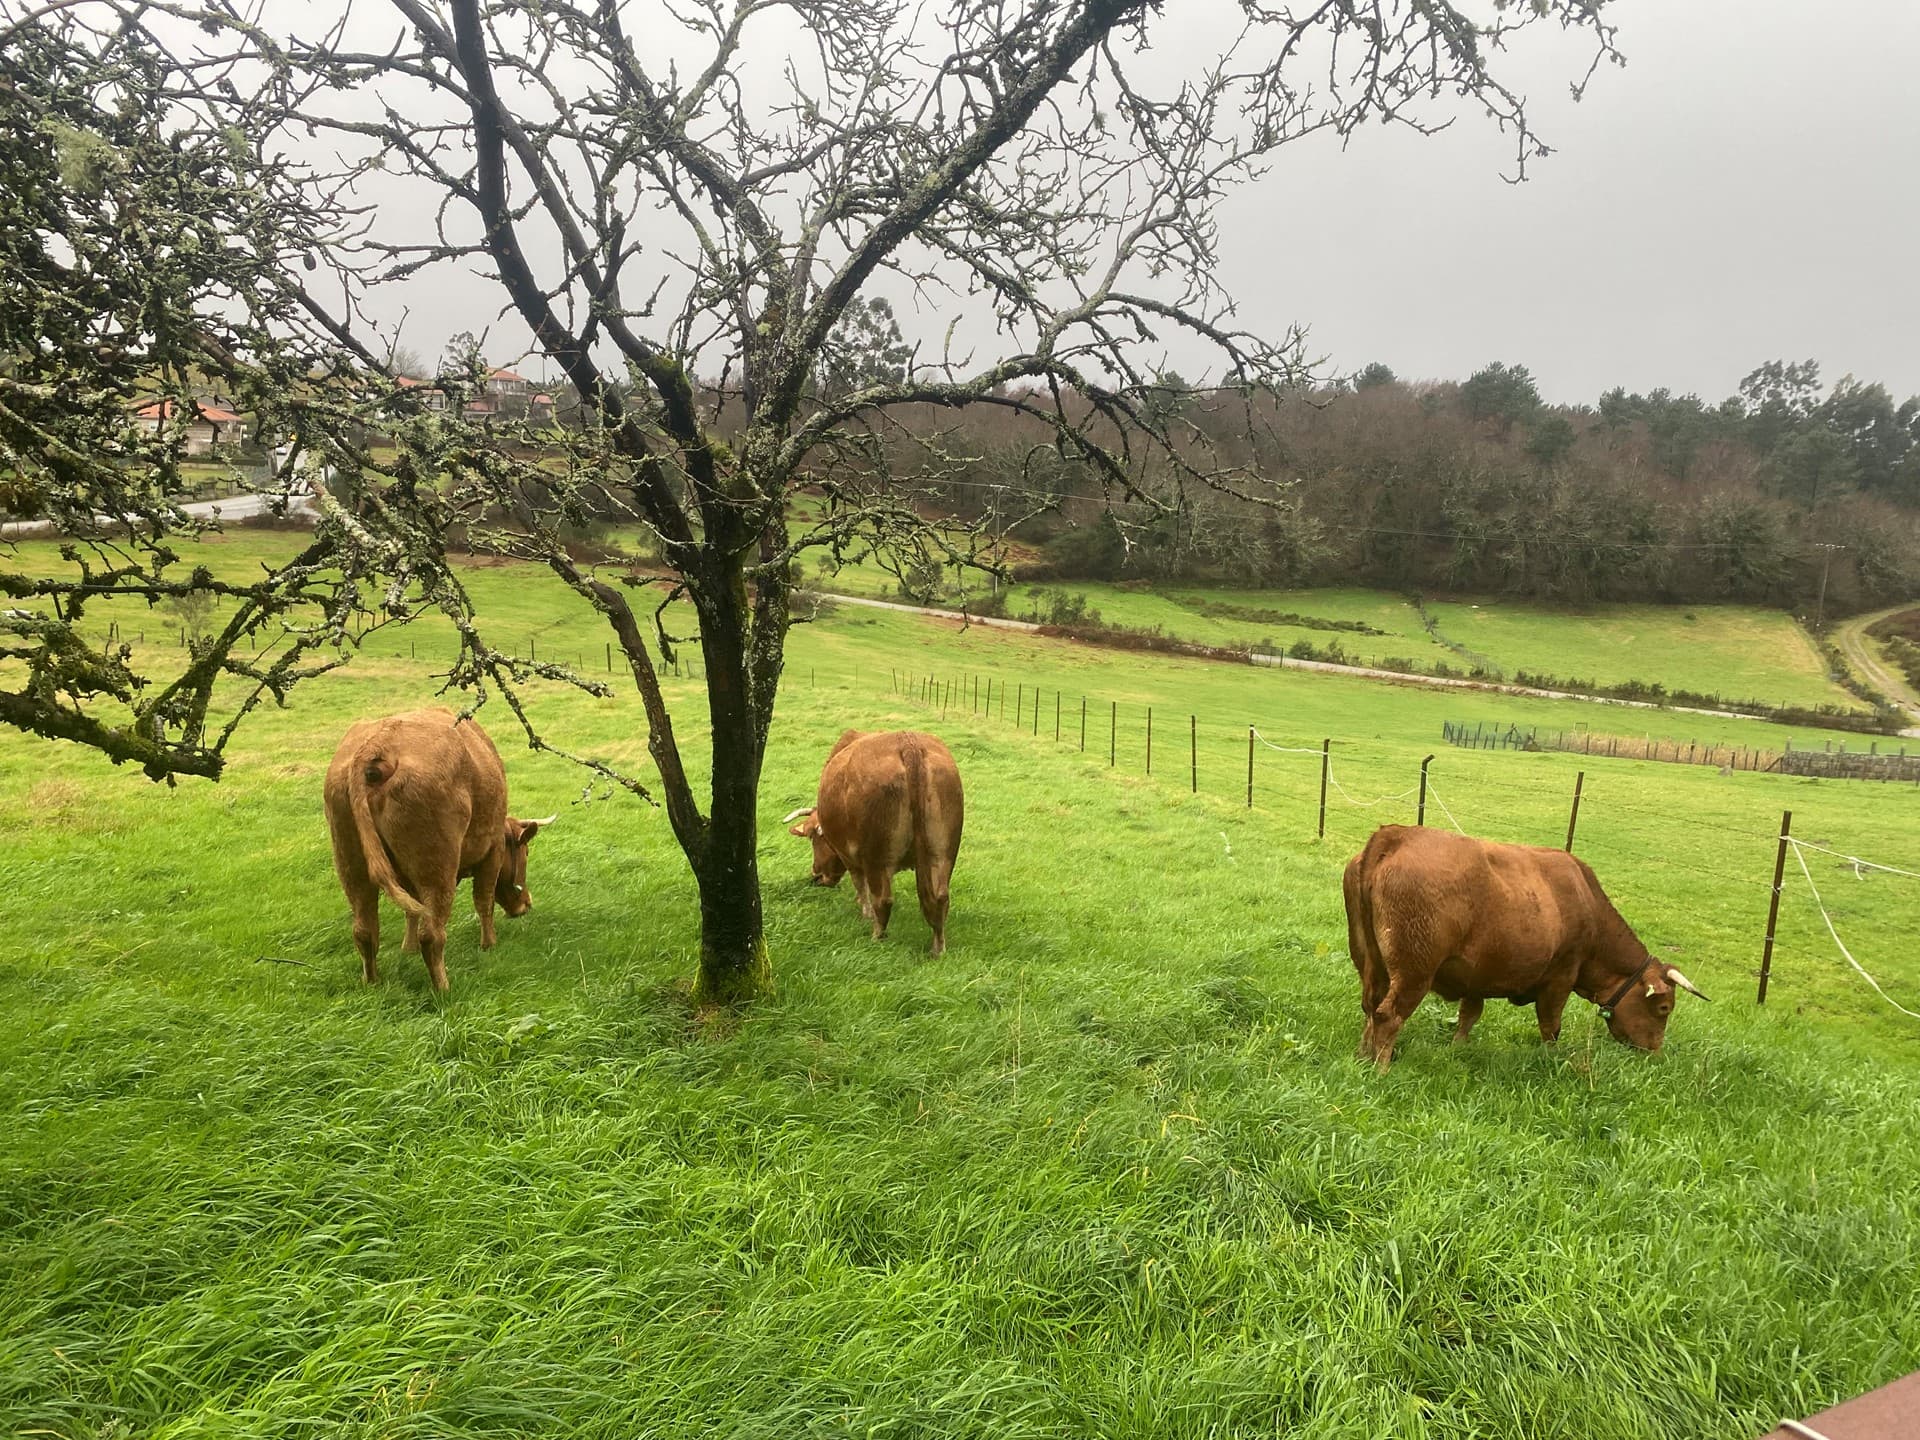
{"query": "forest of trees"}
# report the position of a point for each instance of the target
(1781, 492)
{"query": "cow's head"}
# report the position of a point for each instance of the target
(828, 867)
(1638, 1013)
(511, 888)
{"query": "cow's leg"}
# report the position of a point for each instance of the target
(1470, 1009)
(410, 944)
(485, 879)
(930, 881)
(1547, 1009)
(365, 900)
(1402, 999)
(436, 900)
(433, 939)
(363, 896)
(880, 893)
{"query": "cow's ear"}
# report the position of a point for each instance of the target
(804, 831)
(519, 832)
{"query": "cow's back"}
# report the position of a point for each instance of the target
(1493, 917)
(884, 795)
(431, 780)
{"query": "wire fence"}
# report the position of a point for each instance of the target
(1318, 780)
(1827, 763)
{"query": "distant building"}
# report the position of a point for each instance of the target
(431, 395)
(504, 394)
(208, 428)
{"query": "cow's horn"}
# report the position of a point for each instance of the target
(794, 815)
(548, 821)
(1687, 985)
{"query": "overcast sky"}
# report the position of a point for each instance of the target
(1746, 188)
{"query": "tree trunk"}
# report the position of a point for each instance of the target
(734, 966)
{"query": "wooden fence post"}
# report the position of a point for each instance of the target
(1420, 815)
(1326, 766)
(1574, 818)
(1773, 906)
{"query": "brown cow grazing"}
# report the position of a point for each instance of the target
(416, 803)
(888, 801)
(1473, 920)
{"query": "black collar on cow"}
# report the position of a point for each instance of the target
(1613, 1000)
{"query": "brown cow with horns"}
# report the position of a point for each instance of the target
(416, 803)
(888, 801)
(1474, 920)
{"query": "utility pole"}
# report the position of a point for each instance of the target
(1820, 612)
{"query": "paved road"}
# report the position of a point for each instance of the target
(234, 507)
(1365, 672)
(1858, 647)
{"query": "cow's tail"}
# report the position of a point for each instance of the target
(1363, 941)
(376, 770)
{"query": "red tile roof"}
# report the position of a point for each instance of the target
(163, 410)
(505, 375)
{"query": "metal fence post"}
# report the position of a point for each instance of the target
(1019, 702)
(1193, 750)
(1036, 710)
(1083, 724)
(1249, 767)
(1326, 765)
(1113, 731)
(1574, 819)
(1420, 816)
(1056, 717)
(1149, 739)
(1773, 906)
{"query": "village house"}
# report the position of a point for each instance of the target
(209, 427)
(505, 394)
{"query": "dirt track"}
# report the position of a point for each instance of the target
(1851, 636)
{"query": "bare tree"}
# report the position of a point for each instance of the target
(685, 205)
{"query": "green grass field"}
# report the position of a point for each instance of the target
(1737, 652)
(1107, 1167)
